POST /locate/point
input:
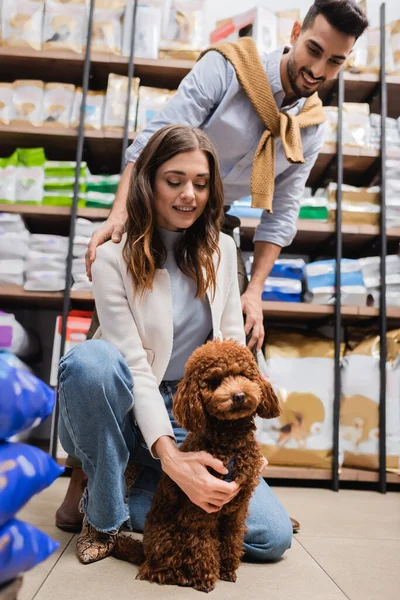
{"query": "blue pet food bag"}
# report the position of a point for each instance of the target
(25, 401)
(22, 547)
(24, 471)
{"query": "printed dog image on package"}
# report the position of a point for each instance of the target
(107, 26)
(115, 105)
(300, 369)
(21, 23)
(65, 25)
(27, 102)
(359, 414)
(57, 104)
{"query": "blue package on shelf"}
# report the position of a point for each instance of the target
(320, 280)
(22, 547)
(24, 471)
(25, 400)
(287, 268)
(281, 290)
(245, 212)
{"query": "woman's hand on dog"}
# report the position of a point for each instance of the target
(189, 471)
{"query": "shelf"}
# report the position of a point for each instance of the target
(62, 65)
(346, 474)
(311, 233)
(305, 311)
(55, 213)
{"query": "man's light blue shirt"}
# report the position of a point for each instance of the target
(210, 97)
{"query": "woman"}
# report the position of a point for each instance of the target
(169, 286)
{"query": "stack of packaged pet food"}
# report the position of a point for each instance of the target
(392, 133)
(284, 283)
(184, 35)
(59, 183)
(320, 277)
(242, 209)
(151, 19)
(370, 268)
(25, 401)
(14, 241)
(46, 263)
(360, 206)
(356, 125)
(83, 232)
(359, 414)
(314, 207)
(21, 176)
(300, 369)
(65, 25)
(21, 23)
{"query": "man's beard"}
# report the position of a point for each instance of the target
(293, 74)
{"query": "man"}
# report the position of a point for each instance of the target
(212, 98)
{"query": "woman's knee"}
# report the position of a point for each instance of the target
(90, 366)
(270, 545)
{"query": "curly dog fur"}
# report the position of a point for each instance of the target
(216, 402)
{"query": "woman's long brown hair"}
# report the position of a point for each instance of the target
(144, 251)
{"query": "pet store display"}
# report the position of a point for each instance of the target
(300, 369)
(359, 412)
(320, 278)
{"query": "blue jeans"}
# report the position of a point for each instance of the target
(96, 394)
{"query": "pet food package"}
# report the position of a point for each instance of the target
(78, 323)
(14, 244)
(94, 109)
(27, 102)
(374, 50)
(116, 99)
(320, 277)
(29, 185)
(24, 472)
(301, 372)
(285, 21)
(395, 35)
(11, 273)
(14, 337)
(107, 26)
(57, 104)
(6, 94)
(356, 125)
(65, 25)
(370, 268)
(56, 245)
(147, 30)
(81, 281)
(21, 23)
(359, 413)
(22, 547)
(184, 36)
(26, 401)
(360, 206)
(151, 102)
(7, 184)
(358, 59)
(84, 227)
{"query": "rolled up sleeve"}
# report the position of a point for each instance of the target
(280, 226)
(197, 96)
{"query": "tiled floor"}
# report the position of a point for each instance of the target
(349, 547)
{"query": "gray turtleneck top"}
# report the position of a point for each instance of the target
(191, 316)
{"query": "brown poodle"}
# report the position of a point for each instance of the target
(216, 401)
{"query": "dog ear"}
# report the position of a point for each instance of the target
(188, 406)
(269, 407)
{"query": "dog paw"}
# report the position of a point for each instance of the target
(226, 575)
(203, 585)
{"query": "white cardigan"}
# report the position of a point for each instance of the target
(141, 327)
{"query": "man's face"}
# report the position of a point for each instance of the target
(317, 55)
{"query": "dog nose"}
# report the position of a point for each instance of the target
(239, 398)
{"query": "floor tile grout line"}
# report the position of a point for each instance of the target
(53, 567)
(343, 537)
(322, 568)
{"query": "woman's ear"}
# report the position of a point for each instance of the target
(269, 407)
(188, 406)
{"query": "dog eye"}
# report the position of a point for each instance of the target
(213, 383)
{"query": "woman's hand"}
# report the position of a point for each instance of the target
(189, 471)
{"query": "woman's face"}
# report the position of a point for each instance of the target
(181, 190)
